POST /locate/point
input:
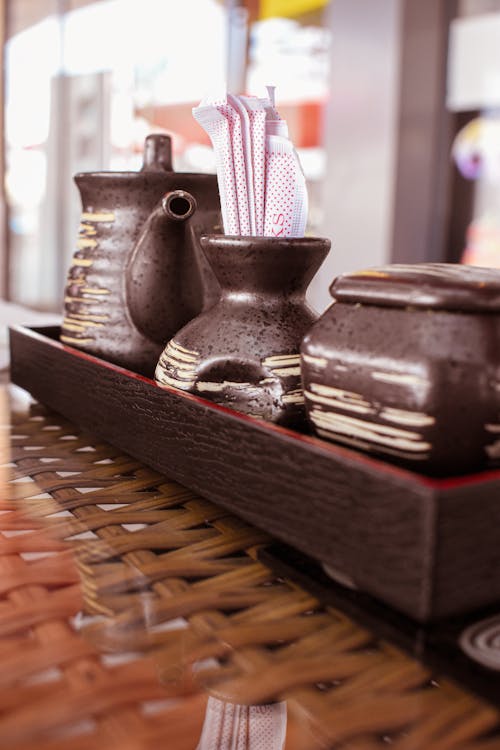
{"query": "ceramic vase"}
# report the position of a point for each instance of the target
(243, 353)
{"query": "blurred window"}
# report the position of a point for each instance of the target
(84, 86)
(87, 81)
(474, 95)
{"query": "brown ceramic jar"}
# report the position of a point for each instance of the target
(406, 365)
(244, 352)
(138, 274)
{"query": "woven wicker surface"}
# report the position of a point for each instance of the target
(126, 600)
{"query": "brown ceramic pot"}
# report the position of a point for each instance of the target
(406, 364)
(244, 352)
(138, 273)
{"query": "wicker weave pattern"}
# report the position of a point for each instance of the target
(130, 592)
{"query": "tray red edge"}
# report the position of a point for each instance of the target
(434, 483)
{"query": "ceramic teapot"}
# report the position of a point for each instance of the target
(138, 274)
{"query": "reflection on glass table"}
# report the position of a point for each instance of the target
(136, 614)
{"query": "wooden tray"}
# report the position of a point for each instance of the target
(430, 547)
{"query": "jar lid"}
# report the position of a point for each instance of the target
(444, 286)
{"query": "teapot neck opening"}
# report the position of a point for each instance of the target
(157, 153)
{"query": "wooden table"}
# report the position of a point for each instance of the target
(127, 600)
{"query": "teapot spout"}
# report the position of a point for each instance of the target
(168, 279)
(178, 205)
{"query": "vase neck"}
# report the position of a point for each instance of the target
(264, 266)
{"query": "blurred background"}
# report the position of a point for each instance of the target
(394, 106)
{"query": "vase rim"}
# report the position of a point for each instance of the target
(145, 175)
(246, 240)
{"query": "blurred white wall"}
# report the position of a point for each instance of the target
(474, 63)
(361, 137)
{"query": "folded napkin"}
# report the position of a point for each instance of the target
(232, 727)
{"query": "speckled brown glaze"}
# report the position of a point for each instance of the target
(406, 364)
(145, 226)
(443, 286)
(244, 352)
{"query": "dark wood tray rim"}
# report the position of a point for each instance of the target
(47, 334)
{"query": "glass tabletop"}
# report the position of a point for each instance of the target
(136, 614)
